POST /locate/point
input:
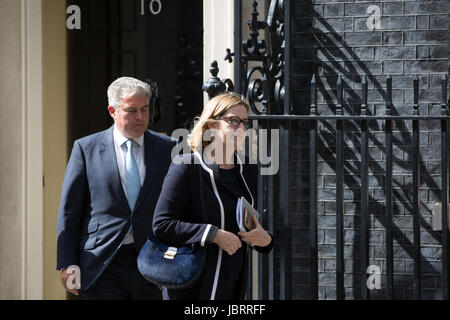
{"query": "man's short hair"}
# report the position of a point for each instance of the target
(125, 87)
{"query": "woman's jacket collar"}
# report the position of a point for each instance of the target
(214, 168)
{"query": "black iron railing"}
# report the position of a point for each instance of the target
(364, 120)
(272, 92)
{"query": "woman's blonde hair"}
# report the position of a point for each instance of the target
(215, 108)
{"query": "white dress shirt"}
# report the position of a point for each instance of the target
(120, 147)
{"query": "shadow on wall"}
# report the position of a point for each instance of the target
(321, 50)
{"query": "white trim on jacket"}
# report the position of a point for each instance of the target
(222, 216)
(222, 224)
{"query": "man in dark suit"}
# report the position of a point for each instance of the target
(111, 186)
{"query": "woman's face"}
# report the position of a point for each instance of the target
(228, 134)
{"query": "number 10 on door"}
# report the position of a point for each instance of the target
(155, 7)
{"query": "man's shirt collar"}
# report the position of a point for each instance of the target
(121, 139)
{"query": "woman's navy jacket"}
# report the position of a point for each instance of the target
(178, 216)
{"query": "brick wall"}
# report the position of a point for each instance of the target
(332, 38)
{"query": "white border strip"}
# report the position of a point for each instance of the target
(24, 148)
(32, 156)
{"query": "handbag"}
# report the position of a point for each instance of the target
(173, 267)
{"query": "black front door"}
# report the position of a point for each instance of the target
(162, 42)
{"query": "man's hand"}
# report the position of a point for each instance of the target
(227, 241)
(70, 279)
(257, 236)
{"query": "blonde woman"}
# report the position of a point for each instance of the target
(178, 221)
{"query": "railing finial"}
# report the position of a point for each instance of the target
(339, 95)
(416, 95)
(313, 108)
(444, 106)
(364, 96)
(389, 95)
(214, 85)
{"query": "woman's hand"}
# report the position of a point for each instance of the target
(257, 236)
(228, 241)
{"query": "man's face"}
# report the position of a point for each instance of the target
(132, 116)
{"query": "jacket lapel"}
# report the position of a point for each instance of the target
(239, 172)
(108, 156)
(152, 165)
(238, 168)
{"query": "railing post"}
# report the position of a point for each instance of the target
(416, 186)
(444, 191)
(388, 221)
(364, 193)
(237, 46)
(340, 292)
(313, 201)
(270, 224)
(285, 189)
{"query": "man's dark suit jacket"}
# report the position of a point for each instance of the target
(94, 216)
